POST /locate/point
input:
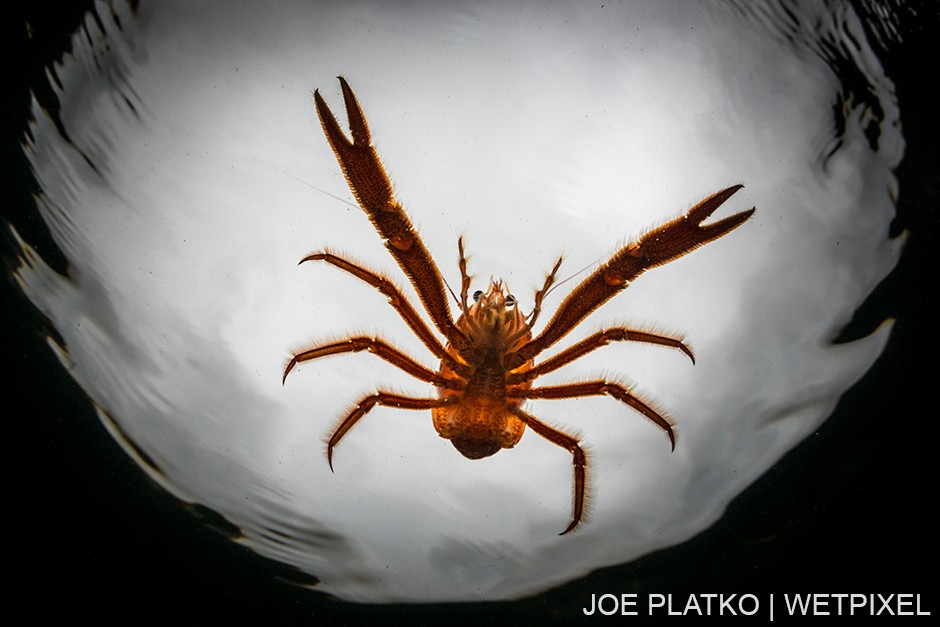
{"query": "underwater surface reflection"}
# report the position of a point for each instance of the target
(174, 196)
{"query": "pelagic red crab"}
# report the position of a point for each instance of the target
(488, 357)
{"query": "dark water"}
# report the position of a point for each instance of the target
(217, 435)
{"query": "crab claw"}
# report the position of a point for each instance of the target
(661, 245)
(685, 234)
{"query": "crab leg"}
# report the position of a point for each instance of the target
(386, 399)
(372, 188)
(592, 343)
(578, 460)
(380, 349)
(670, 241)
(398, 301)
(601, 388)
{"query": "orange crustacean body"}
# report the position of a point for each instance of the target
(480, 424)
(488, 356)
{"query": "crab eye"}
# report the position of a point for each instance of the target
(510, 301)
(476, 296)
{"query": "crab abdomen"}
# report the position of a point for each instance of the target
(478, 426)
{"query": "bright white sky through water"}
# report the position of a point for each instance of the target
(532, 132)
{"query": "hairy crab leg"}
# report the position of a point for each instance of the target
(600, 388)
(380, 398)
(592, 343)
(398, 301)
(380, 349)
(372, 188)
(578, 459)
(670, 241)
